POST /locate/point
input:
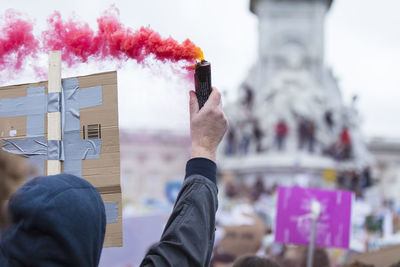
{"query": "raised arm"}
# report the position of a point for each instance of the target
(188, 237)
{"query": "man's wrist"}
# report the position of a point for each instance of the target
(202, 166)
(201, 152)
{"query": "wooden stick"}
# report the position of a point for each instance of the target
(54, 118)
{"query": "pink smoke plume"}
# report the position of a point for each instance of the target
(17, 41)
(80, 43)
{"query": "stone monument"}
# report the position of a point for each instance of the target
(290, 117)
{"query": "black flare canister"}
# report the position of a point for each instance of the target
(202, 78)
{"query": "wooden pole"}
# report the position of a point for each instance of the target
(54, 118)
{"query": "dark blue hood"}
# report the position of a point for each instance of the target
(56, 221)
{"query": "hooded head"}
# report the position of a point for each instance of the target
(56, 221)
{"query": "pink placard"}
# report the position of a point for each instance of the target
(293, 221)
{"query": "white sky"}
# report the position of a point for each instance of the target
(362, 47)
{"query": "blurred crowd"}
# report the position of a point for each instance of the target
(251, 133)
(356, 181)
(328, 134)
(245, 225)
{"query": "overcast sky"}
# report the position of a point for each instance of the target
(362, 47)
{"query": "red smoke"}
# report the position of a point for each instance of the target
(17, 41)
(79, 43)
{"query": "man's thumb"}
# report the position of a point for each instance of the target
(193, 104)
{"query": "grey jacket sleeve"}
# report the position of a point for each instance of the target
(188, 237)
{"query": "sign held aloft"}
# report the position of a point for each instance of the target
(296, 214)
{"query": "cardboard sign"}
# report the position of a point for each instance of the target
(383, 257)
(243, 239)
(293, 221)
(90, 145)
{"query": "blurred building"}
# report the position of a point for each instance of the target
(149, 161)
(290, 120)
(387, 168)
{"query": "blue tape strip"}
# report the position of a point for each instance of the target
(22, 106)
(73, 167)
(35, 122)
(53, 149)
(75, 149)
(29, 147)
(53, 102)
(90, 97)
(111, 212)
(35, 128)
(33, 147)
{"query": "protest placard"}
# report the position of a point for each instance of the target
(90, 136)
(294, 216)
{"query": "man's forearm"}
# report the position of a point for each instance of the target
(188, 237)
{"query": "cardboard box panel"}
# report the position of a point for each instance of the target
(95, 122)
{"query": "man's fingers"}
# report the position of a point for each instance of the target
(214, 100)
(193, 103)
